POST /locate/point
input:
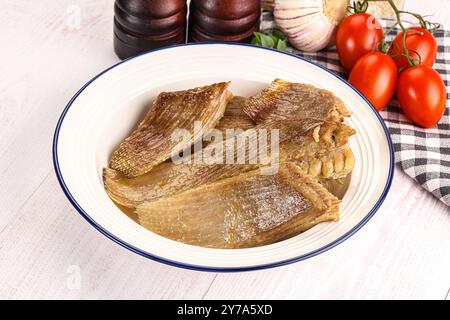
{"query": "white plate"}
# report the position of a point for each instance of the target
(107, 109)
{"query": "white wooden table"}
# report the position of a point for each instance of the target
(46, 55)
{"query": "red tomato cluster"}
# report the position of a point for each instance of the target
(420, 89)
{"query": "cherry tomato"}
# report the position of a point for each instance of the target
(422, 96)
(375, 76)
(357, 34)
(425, 44)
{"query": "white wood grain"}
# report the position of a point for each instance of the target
(403, 252)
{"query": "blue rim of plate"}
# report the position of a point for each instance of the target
(217, 269)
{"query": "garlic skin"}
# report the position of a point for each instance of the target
(309, 25)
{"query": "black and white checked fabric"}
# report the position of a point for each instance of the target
(424, 154)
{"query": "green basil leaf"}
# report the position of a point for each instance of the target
(278, 34)
(256, 38)
(267, 41)
(276, 40)
(282, 45)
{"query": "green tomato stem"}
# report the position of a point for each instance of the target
(398, 13)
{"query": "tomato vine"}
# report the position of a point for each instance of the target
(362, 6)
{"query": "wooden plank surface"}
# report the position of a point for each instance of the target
(48, 251)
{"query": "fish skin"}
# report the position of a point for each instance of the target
(243, 211)
(150, 144)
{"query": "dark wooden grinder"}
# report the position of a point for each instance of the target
(143, 25)
(223, 20)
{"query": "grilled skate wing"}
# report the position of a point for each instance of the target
(335, 164)
(234, 117)
(164, 180)
(325, 153)
(170, 178)
(151, 143)
(284, 100)
(326, 150)
(243, 211)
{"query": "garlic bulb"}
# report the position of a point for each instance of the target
(384, 9)
(309, 25)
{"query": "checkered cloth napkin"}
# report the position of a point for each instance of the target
(424, 154)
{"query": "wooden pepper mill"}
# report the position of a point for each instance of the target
(143, 25)
(223, 20)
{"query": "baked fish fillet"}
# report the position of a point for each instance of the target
(170, 178)
(243, 211)
(287, 100)
(151, 143)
